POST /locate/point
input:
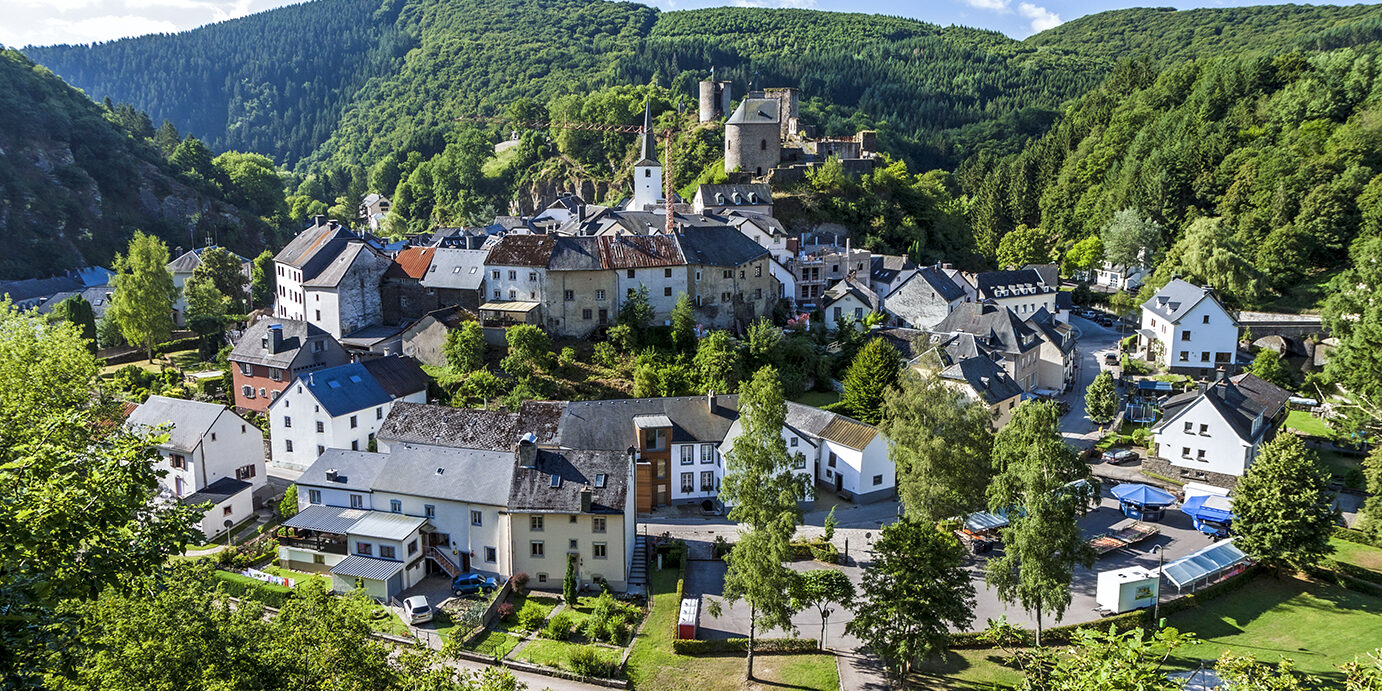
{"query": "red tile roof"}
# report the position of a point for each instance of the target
(411, 263)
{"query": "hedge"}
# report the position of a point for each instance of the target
(1355, 536)
(740, 646)
(246, 587)
(1357, 586)
(1353, 570)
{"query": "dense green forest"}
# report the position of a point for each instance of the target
(1261, 170)
(77, 177)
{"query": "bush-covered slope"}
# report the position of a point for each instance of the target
(74, 185)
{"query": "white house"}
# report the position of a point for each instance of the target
(211, 455)
(373, 209)
(1024, 291)
(1213, 435)
(330, 277)
(1184, 327)
(339, 407)
(182, 268)
(765, 230)
(1119, 276)
(849, 298)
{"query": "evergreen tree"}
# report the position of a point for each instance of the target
(1371, 513)
(873, 372)
(1283, 509)
(1043, 543)
(78, 312)
(1101, 398)
(143, 293)
(915, 590)
(167, 139)
(637, 314)
(262, 280)
(569, 587)
(941, 444)
(684, 325)
(765, 344)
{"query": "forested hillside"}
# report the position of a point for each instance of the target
(76, 179)
(1261, 170)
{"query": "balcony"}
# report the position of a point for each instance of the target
(326, 543)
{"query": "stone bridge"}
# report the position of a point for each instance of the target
(1292, 326)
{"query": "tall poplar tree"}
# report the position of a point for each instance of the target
(143, 293)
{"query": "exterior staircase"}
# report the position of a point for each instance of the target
(638, 571)
(443, 561)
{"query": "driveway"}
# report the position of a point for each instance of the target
(1093, 342)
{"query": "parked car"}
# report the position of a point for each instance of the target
(1111, 358)
(416, 610)
(1120, 456)
(473, 583)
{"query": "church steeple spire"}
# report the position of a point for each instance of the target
(649, 151)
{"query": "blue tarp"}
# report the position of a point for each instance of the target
(1142, 495)
(1153, 385)
(1207, 508)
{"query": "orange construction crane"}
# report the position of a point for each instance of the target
(645, 128)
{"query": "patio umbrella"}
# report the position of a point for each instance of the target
(1142, 495)
(1208, 508)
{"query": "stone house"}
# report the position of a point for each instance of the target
(425, 338)
(923, 299)
(272, 353)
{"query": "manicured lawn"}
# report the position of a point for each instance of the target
(967, 669)
(653, 665)
(1308, 424)
(494, 643)
(526, 602)
(556, 653)
(1318, 625)
(1358, 555)
(297, 576)
(817, 399)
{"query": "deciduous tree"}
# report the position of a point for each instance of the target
(465, 347)
(1131, 239)
(1101, 398)
(262, 280)
(1022, 246)
(529, 350)
(717, 363)
(941, 444)
(1267, 364)
(873, 372)
(142, 302)
(1283, 508)
(684, 325)
(1371, 514)
(914, 591)
(226, 272)
(1085, 255)
(819, 589)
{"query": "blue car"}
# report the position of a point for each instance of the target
(472, 584)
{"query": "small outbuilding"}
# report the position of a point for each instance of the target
(688, 618)
(1142, 502)
(1124, 590)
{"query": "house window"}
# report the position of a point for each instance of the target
(729, 273)
(597, 524)
(245, 472)
(858, 312)
(667, 291)
(513, 294)
(1185, 452)
(1200, 455)
(379, 413)
(178, 461)
(1206, 319)
(318, 346)
(599, 295)
(227, 510)
(707, 453)
(246, 369)
(412, 548)
(792, 442)
(1189, 427)
(568, 295)
(357, 501)
(1185, 335)
(429, 510)
(758, 293)
(314, 496)
(386, 552)
(287, 421)
(725, 297)
(476, 518)
(276, 374)
(319, 312)
(541, 577)
(573, 519)
(247, 391)
(598, 550)
(688, 454)
(1185, 356)
(586, 314)
(288, 445)
(535, 548)
(688, 483)
(513, 275)
(321, 427)
(318, 558)
(1204, 430)
(353, 422)
(831, 462)
(573, 546)
(707, 481)
(1204, 357)
(364, 548)
(395, 506)
(535, 523)
(532, 275)
(491, 555)
(320, 449)
(497, 295)
(799, 461)
(877, 480)
(630, 273)
(494, 274)
(762, 145)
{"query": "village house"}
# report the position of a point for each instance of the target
(721, 199)
(211, 456)
(373, 209)
(888, 271)
(851, 298)
(274, 352)
(959, 361)
(1058, 359)
(456, 277)
(1186, 329)
(1023, 291)
(425, 339)
(923, 299)
(182, 267)
(331, 277)
(766, 231)
(340, 407)
(1213, 434)
(1005, 337)
(1119, 277)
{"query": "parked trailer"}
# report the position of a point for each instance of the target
(1120, 536)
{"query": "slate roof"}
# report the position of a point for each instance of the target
(387, 526)
(1232, 403)
(31, 288)
(639, 251)
(1060, 335)
(331, 274)
(455, 268)
(988, 380)
(470, 428)
(885, 268)
(99, 297)
(356, 470)
(857, 288)
(1002, 284)
(91, 276)
(54, 300)
(1049, 273)
(295, 334)
(907, 342)
(522, 250)
(411, 263)
(451, 317)
(1176, 299)
(608, 425)
(356, 566)
(191, 259)
(719, 246)
(766, 223)
(940, 284)
(1268, 396)
(575, 254)
(216, 492)
(314, 248)
(344, 389)
(466, 475)
(325, 519)
(745, 194)
(532, 488)
(398, 375)
(994, 325)
(755, 111)
(190, 420)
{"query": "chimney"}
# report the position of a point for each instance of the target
(275, 337)
(710, 402)
(318, 220)
(527, 451)
(331, 475)
(333, 224)
(586, 495)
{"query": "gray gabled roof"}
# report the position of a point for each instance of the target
(325, 519)
(470, 428)
(609, 424)
(30, 288)
(356, 566)
(398, 375)
(853, 286)
(355, 470)
(465, 475)
(331, 274)
(742, 194)
(251, 347)
(191, 259)
(456, 269)
(575, 254)
(1176, 299)
(577, 469)
(1231, 403)
(344, 389)
(314, 248)
(988, 380)
(993, 325)
(940, 284)
(190, 420)
(1003, 284)
(721, 245)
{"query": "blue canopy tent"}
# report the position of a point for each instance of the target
(1142, 502)
(1210, 514)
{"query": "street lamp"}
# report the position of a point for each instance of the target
(1156, 604)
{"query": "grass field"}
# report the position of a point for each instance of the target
(298, 576)
(817, 399)
(556, 653)
(1358, 555)
(653, 665)
(1308, 424)
(1319, 625)
(494, 643)
(966, 669)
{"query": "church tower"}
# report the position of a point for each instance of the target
(647, 172)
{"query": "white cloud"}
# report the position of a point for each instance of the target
(992, 5)
(795, 4)
(1042, 18)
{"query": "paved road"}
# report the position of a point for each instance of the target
(1093, 342)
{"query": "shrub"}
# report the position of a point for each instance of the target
(530, 618)
(610, 620)
(520, 581)
(825, 552)
(1356, 536)
(559, 628)
(606, 355)
(586, 660)
(237, 585)
(506, 611)
(720, 547)
(740, 646)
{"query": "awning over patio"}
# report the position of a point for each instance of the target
(1142, 495)
(325, 519)
(983, 520)
(1208, 508)
(1205, 564)
(355, 566)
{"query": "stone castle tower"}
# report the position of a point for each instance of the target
(753, 135)
(714, 99)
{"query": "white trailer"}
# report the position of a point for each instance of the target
(1124, 590)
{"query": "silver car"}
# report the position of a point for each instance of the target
(416, 610)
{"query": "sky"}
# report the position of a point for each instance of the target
(45, 22)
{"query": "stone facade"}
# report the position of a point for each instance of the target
(578, 302)
(1165, 468)
(725, 296)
